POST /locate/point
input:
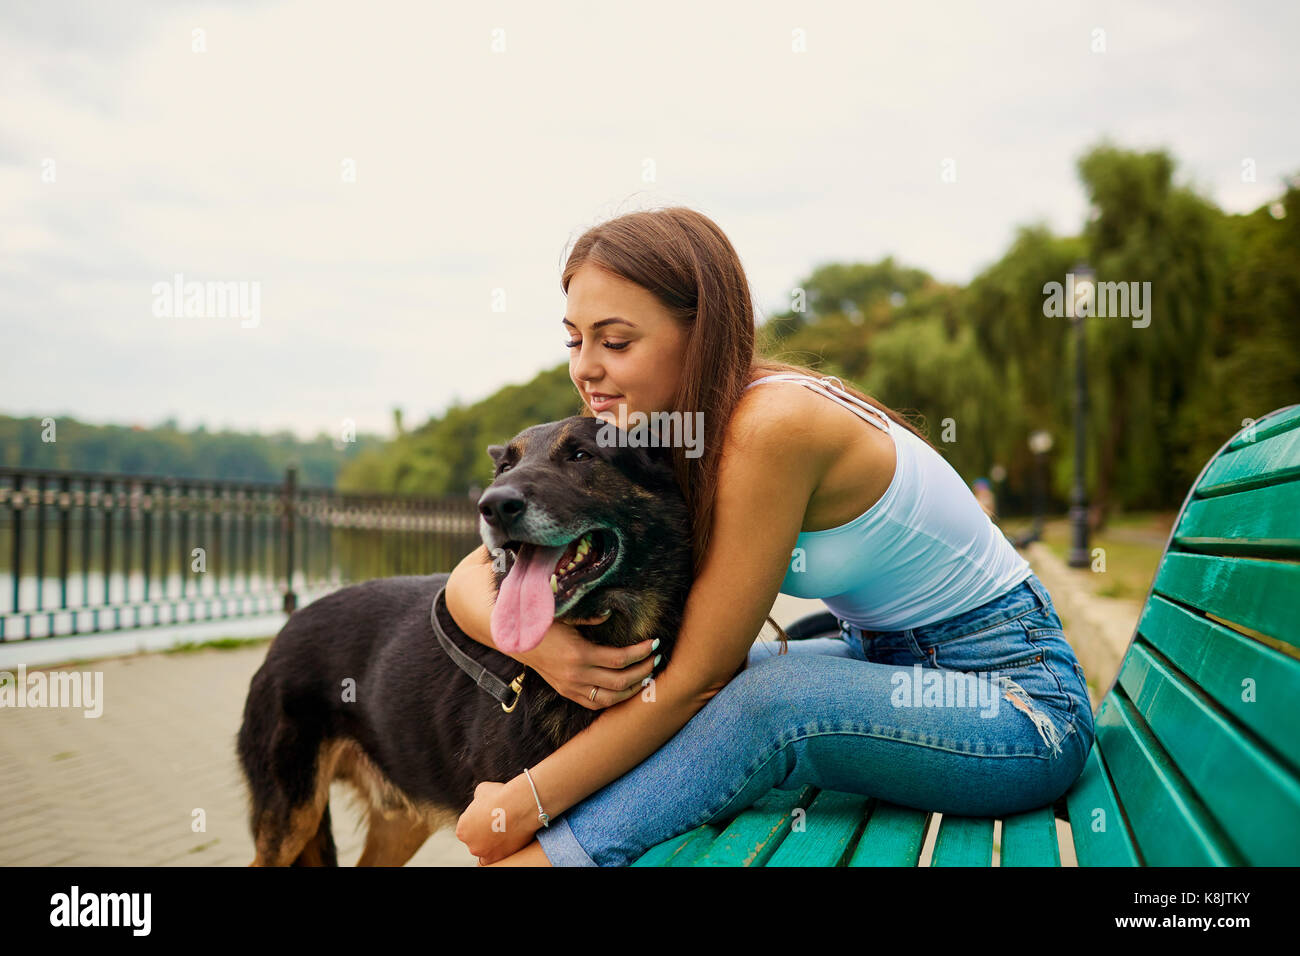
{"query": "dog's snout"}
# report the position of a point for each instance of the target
(501, 507)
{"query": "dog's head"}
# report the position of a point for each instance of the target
(579, 521)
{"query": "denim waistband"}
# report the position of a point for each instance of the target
(1028, 595)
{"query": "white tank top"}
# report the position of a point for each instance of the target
(924, 552)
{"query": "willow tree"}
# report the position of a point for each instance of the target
(1146, 229)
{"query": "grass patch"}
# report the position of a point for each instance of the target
(217, 644)
(1133, 544)
(1129, 565)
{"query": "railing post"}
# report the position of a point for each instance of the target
(16, 558)
(287, 518)
(40, 542)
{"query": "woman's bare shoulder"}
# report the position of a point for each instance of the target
(781, 414)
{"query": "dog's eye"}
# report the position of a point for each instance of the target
(583, 452)
(502, 469)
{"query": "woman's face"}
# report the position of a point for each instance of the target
(635, 359)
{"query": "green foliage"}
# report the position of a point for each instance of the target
(166, 450)
(1147, 229)
(1253, 341)
(448, 455)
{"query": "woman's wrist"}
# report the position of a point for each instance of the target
(521, 804)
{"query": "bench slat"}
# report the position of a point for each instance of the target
(755, 833)
(1263, 522)
(1254, 592)
(894, 836)
(827, 832)
(1273, 457)
(1172, 826)
(963, 841)
(1282, 421)
(681, 850)
(1219, 660)
(1255, 799)
(1097, 825)
(1029, 839)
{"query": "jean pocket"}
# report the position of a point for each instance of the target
(1041, 619)
(1034, 658)
(1006, 647)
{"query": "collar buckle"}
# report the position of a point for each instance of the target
(516, 685)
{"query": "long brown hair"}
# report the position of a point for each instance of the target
(687, 262)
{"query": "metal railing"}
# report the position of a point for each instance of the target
(144, 550)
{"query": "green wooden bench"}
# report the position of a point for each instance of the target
(1197, 757)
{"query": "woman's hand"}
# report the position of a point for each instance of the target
(500, 820)
(573, 665)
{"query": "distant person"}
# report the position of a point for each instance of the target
(984, 495)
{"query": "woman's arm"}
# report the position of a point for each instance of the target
(469, 595)
(769, 470)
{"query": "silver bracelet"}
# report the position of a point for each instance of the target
(541, 814)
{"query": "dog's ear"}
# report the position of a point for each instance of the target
(496, 451)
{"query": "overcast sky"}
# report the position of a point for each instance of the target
(485, 137)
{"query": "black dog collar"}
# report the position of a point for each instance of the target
(507, 694)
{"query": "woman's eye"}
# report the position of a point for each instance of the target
(615, 346)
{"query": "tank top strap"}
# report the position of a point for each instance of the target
(840, 395)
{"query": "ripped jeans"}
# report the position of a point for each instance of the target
(983, 714)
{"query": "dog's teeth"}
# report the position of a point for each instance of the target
(555, 585)
(584, 546)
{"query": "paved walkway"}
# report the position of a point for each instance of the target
(123, 788)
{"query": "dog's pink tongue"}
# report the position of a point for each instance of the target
(525, 604)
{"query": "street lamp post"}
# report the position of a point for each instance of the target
(1040, 443)
(1084, 278)
(999, 475)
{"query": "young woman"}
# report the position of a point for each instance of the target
(805, 487)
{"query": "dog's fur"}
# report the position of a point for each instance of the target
(415, 735)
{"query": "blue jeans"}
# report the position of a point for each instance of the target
(983, 714)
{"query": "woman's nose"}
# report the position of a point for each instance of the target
(587, 369)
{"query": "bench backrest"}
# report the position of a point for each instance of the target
(1197, 760)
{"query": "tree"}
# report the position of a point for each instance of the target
(1147, 230)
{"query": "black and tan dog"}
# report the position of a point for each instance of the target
(356, 687)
